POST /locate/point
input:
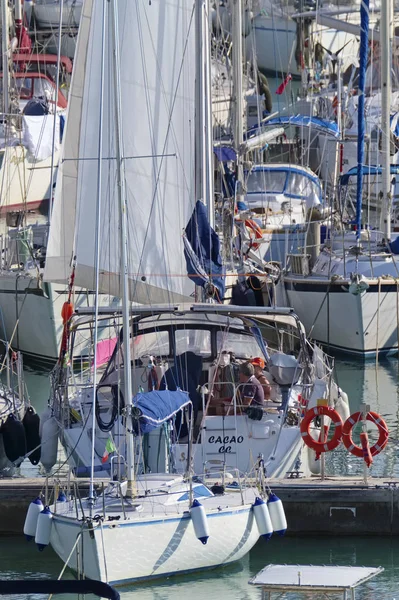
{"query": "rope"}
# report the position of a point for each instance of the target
(318, 312)
(378, 320)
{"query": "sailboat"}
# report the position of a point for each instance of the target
(138, 118)
(35, 104)
(349, 300)
(177, 333)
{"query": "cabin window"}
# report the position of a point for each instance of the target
(193, 340)
(266, 182)
(155, 343)
(298, 185)
(199, 491)
(44, 88)
(23, 86)
(243, 346)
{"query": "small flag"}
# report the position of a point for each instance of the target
(283, 85)
(109, 447)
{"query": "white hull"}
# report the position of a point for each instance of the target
(357, 324)
(275, 42)
(31, 314)
(140, 548)
(47, 13)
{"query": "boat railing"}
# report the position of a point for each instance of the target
(225, 398)
(218, 468)
(22, 246)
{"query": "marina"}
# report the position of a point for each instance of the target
(199, 299)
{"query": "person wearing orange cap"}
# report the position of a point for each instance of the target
(259, 365)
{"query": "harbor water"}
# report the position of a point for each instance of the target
(374, 384)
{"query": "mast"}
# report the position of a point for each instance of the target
(386, 85)
(5, 51)
(123, 207)
(57, 87)
(203, 112)
(364, 34)
(96, 249)
(237, 84)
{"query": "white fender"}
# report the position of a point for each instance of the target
(43, 529)
(341, 403)
(43, 418)
(262, 518)
(33, 512)
(200, 522)
(277, 514)
(49, 443)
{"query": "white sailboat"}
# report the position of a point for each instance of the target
(35, 107)
(349, 300)
(145, 190)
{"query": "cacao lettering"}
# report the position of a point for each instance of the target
(227, 440)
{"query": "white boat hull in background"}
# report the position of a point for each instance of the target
(47, 13)
(356, 324)
(31, 314)
(275, 43)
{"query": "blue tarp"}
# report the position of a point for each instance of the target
(202, 252)
(367, 170)
(225, 153)
(304, 121)
(157, 407)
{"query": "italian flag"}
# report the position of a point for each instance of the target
(109, 447)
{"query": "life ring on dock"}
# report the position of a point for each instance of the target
(347, 434)
(255, 233)
(321, 446)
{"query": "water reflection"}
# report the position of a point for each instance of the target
(21, 560)
(375, 384)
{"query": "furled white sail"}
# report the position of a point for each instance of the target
(156, 46)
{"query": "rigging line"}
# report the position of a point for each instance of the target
(95, 158)
(97, 251)
(166, 140)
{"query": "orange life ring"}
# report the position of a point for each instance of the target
(254, 227)
(305, 425)
(358, 450)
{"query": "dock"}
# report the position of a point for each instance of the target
(335, 506)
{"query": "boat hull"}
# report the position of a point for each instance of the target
(31, 314)
(356, 324)
(119, 551)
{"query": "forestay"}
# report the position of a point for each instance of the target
(156, 45)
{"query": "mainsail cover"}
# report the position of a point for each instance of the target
(157, 407)
(157, 73)
(202, 252)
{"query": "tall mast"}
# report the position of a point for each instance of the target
(96, 249)
(237, 86)
(364, 34)
(386, 85)
(5, 51)
(57, 88)
(127, 371)
(203, 111)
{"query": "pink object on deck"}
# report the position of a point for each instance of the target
(105, 349)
